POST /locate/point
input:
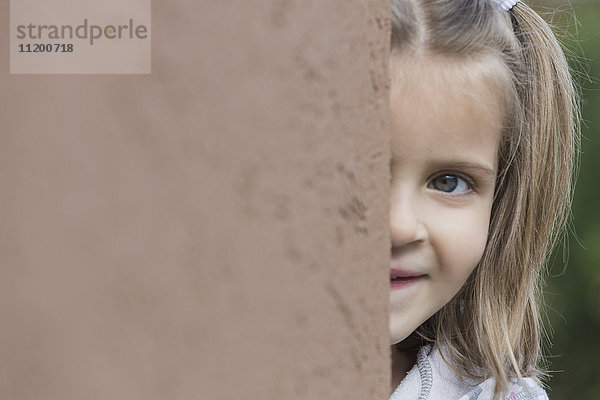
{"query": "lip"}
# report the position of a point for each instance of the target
(407, 278)
(403, 273)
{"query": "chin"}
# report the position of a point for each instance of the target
(396, 338)
(399, 331)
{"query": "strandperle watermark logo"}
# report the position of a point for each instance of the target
(83, 31)
(80, 37)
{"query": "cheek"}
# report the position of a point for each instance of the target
(459, 238)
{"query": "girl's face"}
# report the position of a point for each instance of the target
(446, 129)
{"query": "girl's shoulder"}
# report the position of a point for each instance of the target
(432, 379)
(528, 390)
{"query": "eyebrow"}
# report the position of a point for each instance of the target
(480, 168)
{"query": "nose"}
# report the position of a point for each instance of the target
(406, 224)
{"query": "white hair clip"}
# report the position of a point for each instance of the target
(506, 4)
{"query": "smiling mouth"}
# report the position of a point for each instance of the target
(399, 274)
(401, 282)
(394, 278)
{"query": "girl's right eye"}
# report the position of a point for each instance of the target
(449, 183)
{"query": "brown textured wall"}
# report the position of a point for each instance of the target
(215, 230)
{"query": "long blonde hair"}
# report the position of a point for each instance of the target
(492, 327)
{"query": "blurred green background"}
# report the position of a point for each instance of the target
(573, 290)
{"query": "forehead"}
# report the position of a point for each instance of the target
(441, 107)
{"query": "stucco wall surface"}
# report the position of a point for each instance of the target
(215, 230)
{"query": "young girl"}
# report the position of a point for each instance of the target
(484, 133)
